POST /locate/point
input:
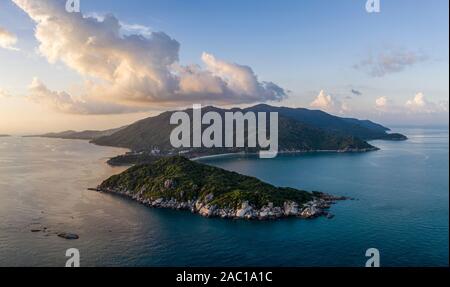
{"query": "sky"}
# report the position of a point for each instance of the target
(120, 61)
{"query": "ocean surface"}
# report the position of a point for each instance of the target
(401, 207)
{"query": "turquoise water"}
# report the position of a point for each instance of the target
(401, 208)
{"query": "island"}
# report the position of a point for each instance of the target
(75, 135)
(179, 183)
(4, 136)
(300, 131)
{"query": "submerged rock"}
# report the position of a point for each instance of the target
(68, 236)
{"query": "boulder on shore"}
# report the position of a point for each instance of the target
(246, 209)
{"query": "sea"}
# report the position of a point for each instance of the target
(400, 207)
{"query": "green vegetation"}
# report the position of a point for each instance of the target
(299, 130)
(185, 180)
(132, 159)
(297, 136)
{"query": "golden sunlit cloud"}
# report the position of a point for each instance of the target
(4, 94)
(125, 73)
(420, 104)
(7, 40)
(328, 103)
(381, 102)
(62, 101)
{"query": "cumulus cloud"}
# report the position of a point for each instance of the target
(416, 106)
(381, 102)
(7, 40)
(323, 101)
(125, 28)
(63, 102)
(134, 69)
(4, 94)
(328, 103)
(136, 29)
(420, 104)
(388, 62)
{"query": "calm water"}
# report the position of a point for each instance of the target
(402, 209)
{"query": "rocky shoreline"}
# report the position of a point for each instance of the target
(133, 158)
(317, 207)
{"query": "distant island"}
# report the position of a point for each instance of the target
(83, 135)
(4, 136)
(300, 130)
(179, 183)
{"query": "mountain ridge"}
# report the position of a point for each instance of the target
(364, 129)
(81, 135)
(299, 130)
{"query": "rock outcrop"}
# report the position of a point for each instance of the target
(312, 209)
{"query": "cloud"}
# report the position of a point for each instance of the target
(4, 94)
(63, 102)
(392, 61)
(443, 106)
(323, 101)
(135, 69)
(125, 28)
(416, 106)
(136, 29)
(381, 102)
(344, 108)
(356, 92)
(7, 40)
(420, 104)
(329, 104)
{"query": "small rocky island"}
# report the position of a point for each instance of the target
(179, 183)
